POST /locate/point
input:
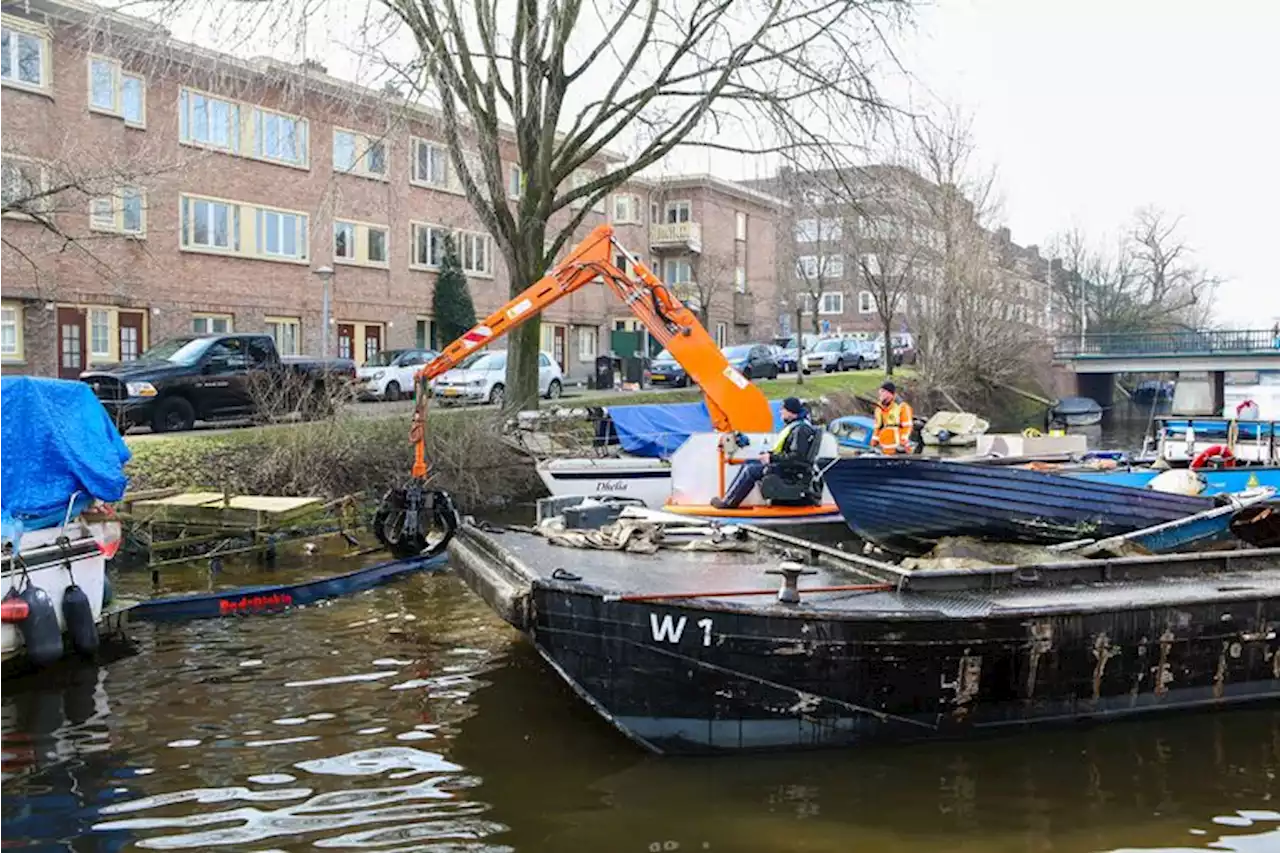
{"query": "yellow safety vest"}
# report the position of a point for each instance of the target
(890, 426)
(782, 436)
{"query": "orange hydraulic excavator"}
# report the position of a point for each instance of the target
(408, 514)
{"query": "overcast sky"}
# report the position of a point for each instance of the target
(1092, 108)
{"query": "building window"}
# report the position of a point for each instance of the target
(677, 271)
(870, 265)
(515, 181)
(208, 224)
(866, 302)
(817, 230)
(279, 137)
(430, 164)
(678, 211)
(23, 58)
(280, 234)
(99, 333)
(122, 213)
(475, 252)
(344, 241)
(116, 93)
(359, 154)
(587, 338)
(740, 225)
(833, 266)
(205, 120)
(428, 245)
(807, 266)
(377, 245)
(211, 324)
(740, 280)
(11, 330)
(25, 183)
(359, 243)
(722, 335)
(287, 333)
(831, 303)
(626, 209)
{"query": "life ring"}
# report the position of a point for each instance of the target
(1031, 432)
(1217, 451)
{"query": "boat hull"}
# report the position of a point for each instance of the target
(1217, 480)
(646, 480)
(773, 683)
(904, 504)
(48, 572)
(761, 516)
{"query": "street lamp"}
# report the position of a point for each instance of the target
(326, 276)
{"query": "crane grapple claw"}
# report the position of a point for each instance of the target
(413, 521)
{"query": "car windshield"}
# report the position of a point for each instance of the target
(665, 355)
(384, 358)
(736, 352)
(484, 361)
(184, 351)
(827, 346)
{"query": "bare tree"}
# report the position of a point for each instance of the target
(1147, 282)
(574, 81)
(713, 275)
(893, 257)
(965, 309)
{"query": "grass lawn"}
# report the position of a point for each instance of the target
(815, 385)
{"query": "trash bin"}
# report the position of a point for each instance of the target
(633, 370)
(603, 379)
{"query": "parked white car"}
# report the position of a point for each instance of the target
(389, 374)
(481, 377)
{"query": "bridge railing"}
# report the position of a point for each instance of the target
(1186, 342)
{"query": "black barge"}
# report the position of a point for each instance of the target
(693, 652)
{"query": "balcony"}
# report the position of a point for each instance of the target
(744, 309)
(686, 236)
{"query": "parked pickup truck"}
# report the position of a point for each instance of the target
(216, 377)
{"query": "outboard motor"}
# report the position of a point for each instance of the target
(415, 521)
(917, 435)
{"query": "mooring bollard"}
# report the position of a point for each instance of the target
(789, 593)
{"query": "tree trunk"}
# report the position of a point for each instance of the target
(799, 346)
(521, 392)
(888, 347)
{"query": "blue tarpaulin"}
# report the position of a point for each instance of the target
(658, 429)
(55, 440)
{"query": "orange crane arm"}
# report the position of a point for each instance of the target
(732, 401)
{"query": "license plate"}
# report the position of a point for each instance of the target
(657, 376)
(451, 392)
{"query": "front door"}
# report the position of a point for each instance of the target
(346, 340)
(558, 345)
(372, 341)
(71, 343)
(130, 323)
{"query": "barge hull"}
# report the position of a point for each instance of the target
(655, 645)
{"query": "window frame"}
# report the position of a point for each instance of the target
(464, 243)
(634, 217)
(363, 145)
(118, 78)
(246, 230)
(677, 204)
(592, 334)
(235, 130)
(360, 243)
(870, 299)
(277, 321)
(414, 228)
(17, 28)
(445, 185)
(42, 205)
(210, 317)
(822, 303)
(515, 181)
(18, 354)
(302, 136)
(740, 225)
(117, 205)
(722, 334)
(92, 328)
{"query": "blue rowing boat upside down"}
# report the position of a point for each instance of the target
(905, 504)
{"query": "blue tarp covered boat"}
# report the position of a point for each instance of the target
(906, 503)
(273, 598)
(657, 430)
(57, 441)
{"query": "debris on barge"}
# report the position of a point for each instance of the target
(780, 643)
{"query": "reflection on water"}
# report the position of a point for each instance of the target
(408, 718)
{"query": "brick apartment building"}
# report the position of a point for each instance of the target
(175, 190)
(827, 245)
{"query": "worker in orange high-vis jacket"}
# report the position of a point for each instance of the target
(894, 422)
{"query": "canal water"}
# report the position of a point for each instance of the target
(409, 718)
